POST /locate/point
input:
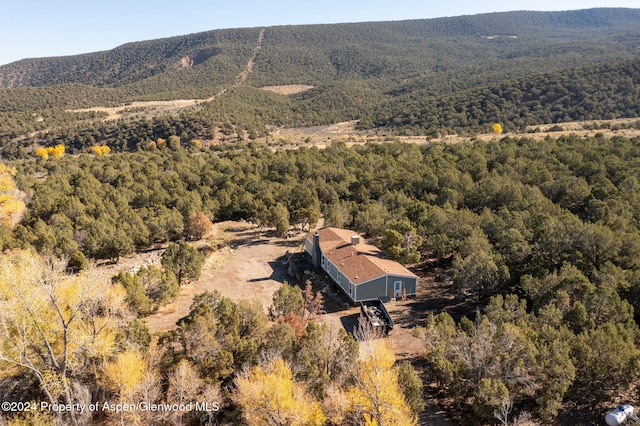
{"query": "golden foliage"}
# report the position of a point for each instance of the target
(31, 418)
(376, 396)
(6, 177)
(55, 383)
(54, 324)
(11, 208)
(56, 151)
(52, 151)
(100, 149)
(42, 153)
(497, 128)
(269, 395)
(125, 372)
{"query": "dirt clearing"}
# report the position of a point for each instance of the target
(246, 267)
(288, 89)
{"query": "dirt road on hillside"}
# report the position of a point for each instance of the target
(115, 113)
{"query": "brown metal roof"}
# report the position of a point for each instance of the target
(360, 263)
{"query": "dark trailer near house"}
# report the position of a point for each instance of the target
(377, 315)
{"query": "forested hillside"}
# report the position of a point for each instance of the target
(596, 92)
(604, 91)
(319, 53)
(389, 63)
(134, 62)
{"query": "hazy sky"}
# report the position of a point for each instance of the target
(37, 28)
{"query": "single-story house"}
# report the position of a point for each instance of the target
(361, 270)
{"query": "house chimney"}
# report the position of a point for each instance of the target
(315, 259)
(355, 240)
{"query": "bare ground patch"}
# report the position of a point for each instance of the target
(248, 266)
(288, 89)
(347, 132)
(147, 108)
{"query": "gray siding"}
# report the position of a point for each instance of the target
(373, 289)
(332, 270)
(339, 278)
(345, 284)
(383, 288)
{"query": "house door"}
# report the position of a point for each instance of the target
(397, 289)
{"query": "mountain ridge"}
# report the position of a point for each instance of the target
(135, 62)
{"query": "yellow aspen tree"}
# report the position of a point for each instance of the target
(148, 389)
(123, 375)
(125, 372)
(31, 418)
(55, 326)
(376, 397)
(42, 153)
(6, 178)
(268, 395)
(497, 128)
(56, 151)
(11, 208)
(100, 149)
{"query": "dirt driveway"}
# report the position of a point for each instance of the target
(247, 267)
